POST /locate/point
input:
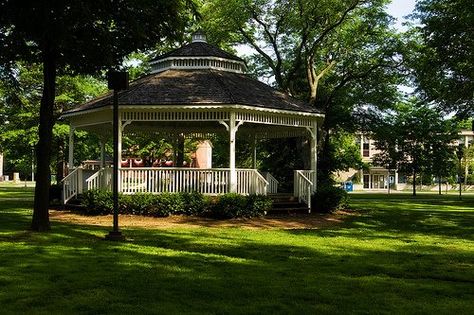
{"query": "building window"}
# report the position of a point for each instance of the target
(366, 149)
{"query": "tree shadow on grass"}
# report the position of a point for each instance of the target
(358, 266)
(71, 269)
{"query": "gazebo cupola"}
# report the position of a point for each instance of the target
(198, 55)
(197, 91)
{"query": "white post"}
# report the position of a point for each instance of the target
(395, 186)
(71, 149)
(233, 173)
(314, 153)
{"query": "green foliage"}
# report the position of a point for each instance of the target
(329, 198)
(416, 139)
(97, 202)
(341, 56)
(194, 203)
(229, 206)
(443, 53)
(258, 205)
(19, 116)
(233, 205)
(166, 204)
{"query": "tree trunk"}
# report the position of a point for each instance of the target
(324, 161)
(40, 220)
(439, 184)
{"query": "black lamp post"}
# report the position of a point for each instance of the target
(117, 81)
(460, 154)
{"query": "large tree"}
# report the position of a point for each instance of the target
(77, 37)
(443, 56)
(340, 56)
(415, 139)
(20, 96)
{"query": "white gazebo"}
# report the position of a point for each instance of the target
(198, 91)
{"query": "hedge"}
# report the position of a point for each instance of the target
(97, 202)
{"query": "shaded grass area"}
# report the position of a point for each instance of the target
(399, 255)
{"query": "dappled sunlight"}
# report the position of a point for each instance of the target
(387, 258)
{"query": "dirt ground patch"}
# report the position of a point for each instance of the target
(296, 221)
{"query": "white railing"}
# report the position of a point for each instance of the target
(250, 181)
(159, 180)
(102, 179)
(72, 184)
(206, 181)
(303, 186)
(272, 183)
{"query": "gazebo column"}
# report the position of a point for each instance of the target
(233, 126)
(314, 153)
(233, 172)
(71, 149)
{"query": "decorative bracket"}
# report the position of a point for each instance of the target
(224, 124)
(312, 132)
(240, 123)
(227, 126)
(125, 124)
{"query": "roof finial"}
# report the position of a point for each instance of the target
(199, 37)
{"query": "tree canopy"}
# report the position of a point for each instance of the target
(415, 139)
(443, 58)
(78, 37)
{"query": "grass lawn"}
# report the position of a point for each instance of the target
(399, 255)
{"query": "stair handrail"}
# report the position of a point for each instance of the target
(93, 181)
(303, 188)
(75, 184)
(263, 181)
(273, 183)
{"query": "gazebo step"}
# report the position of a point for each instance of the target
(289, 210)
(287, 204)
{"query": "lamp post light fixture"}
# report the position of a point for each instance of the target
(117, 81)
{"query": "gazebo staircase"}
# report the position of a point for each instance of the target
(287, 203)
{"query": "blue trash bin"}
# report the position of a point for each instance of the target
(348, 186)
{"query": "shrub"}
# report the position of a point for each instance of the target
(329, 199)
(166, 204)
(194, 203)
(233, 205)
(258, 205)
(223, 207)
(228, 206)
(97, 202)
(138, 203)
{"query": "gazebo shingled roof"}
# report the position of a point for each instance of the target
(200, 87)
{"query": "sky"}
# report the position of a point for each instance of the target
(400, 9)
